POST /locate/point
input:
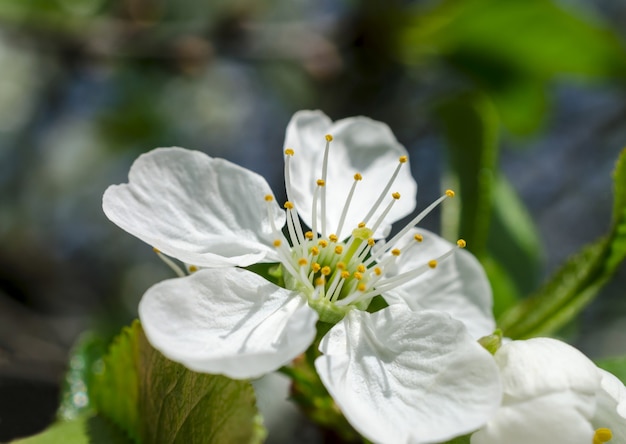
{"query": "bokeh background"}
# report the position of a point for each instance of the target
(532, 90)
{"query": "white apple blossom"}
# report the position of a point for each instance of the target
(389, 370)
(552, 393)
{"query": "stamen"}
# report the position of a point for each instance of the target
(315, 251)
(316, 193)
(342, 219)
(402, 160)
(381, 218)
(395, 252)
(333, 238)
(322, 243)
(308, 235)
(293, 223)
(294, 216)
(277, 243)
(461, 243)
(335, 286)
(192, 269)
(339, 249)
(391, 243)
(361, 287)
(315, 267)
(290, 224)
(303, 262)
(326, 270)
(418, 237)
(432, 263)
(602, 435)
(170, 263)
(329, 138)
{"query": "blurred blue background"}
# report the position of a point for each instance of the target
(88, 85)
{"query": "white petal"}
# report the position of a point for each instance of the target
(457, 286)
(204, 211)
(611, 411)
(538, 366)
(550, 419)
(227, 321)
(360, 145)
(550, 395)
(401, 376)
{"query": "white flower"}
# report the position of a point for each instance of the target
(387, 371)
(554, 394)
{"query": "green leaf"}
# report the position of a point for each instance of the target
(73, 432)
(471, 127)
(615, 365)
(578, 281)
(86, 429)
(156, 400)
(460, 440)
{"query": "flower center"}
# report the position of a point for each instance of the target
(336, 274)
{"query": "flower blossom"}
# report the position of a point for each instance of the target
(552, 393)
(414, 362)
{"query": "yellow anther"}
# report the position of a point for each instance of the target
(378, 271)
(289, 152)
(602, 435)
(329, 138)
(333, 238)
(449, 193)
(323, 243)
(339, 249)
(156, 250)
(395, 195)
(361, 268)
(371, 242)
(418, 237)
(316, 267)
(361, 287)
(193, 269)
(433, 263)
(326, 270)
(308, 235)
(358, 276)
(345, 274)
(288, 205)
(395, 252)
(461, 243)
(277, 243)
(269, 198)
(302, 262)
(320, 281)
(403, 159)
(315, 251)
(320, 182)
(361, 225)
(341, 265)
(358, 176)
